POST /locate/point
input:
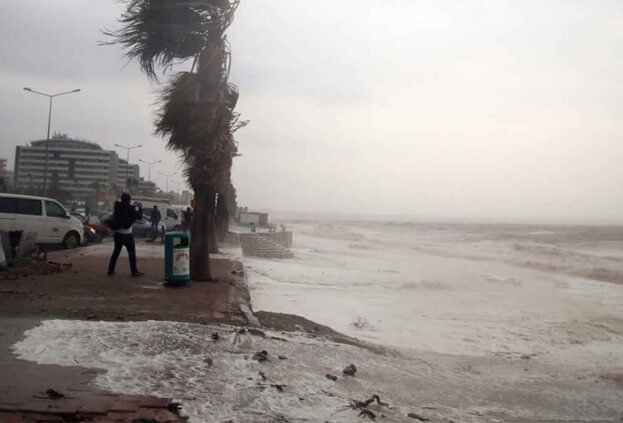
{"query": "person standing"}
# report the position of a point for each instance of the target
(124, 216)
(155, 222)
(188, 219)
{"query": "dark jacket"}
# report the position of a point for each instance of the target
(125, 215)
(155, 215)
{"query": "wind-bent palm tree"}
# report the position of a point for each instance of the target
(197, 111)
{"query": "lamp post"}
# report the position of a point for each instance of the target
(177, 192)
(167, 176)
(127, 162)
(149, 165)
(47, 140)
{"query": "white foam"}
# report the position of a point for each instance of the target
(448, 289)
(171, 360)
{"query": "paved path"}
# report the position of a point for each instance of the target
(86, 292)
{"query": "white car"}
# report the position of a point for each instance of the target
(170, 218)
(44, 216)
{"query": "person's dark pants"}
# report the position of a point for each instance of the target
(127, 241)
(154, 230)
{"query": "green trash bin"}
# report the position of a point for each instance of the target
(177, 258)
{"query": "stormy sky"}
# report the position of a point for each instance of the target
(478, 110)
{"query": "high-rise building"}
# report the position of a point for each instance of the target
(146, 187)
(74, 165)
(5, 175)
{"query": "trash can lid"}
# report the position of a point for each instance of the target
(176, 234)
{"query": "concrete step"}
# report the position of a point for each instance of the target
(254, 244)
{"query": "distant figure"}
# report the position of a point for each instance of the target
(252, 225)
(124, 216)
(87, 213)
(283, 228)
(155, 222)
(188, 219)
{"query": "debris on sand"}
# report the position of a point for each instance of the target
(59, 266)
(261, 356)
(278, 387)
(54, 395)
(418, 417)
(331, 377)
(37, 268)
(215, 336)
(527, 356)
(364, 404)
(282, 357)
(367, 413)
(175, 407)
(350, 370)
(256, 332)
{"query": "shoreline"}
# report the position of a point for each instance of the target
(158, 321)
(80, 294)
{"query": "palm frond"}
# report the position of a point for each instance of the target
(156, 33)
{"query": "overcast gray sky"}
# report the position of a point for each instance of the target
(475, 109)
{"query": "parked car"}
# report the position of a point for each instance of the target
(93, 233)
(44, 216)
(141, 228)
(171, 218)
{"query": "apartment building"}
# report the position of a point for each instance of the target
(74, 164)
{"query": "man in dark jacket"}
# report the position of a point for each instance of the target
(188, 220)
(155, 222)
(124, 216)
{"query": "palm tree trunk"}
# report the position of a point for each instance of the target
(209, 69)
(212, 237)
(201, 228)
(221, 217)
(212, 224)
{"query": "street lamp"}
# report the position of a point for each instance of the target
(149, 165)
(127, 167)
(178, 187)
(47, 141)
(167, 176)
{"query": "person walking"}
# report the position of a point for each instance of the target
(155, 222)
(124, 216)
(188, 219)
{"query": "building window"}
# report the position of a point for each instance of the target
(72, 168)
